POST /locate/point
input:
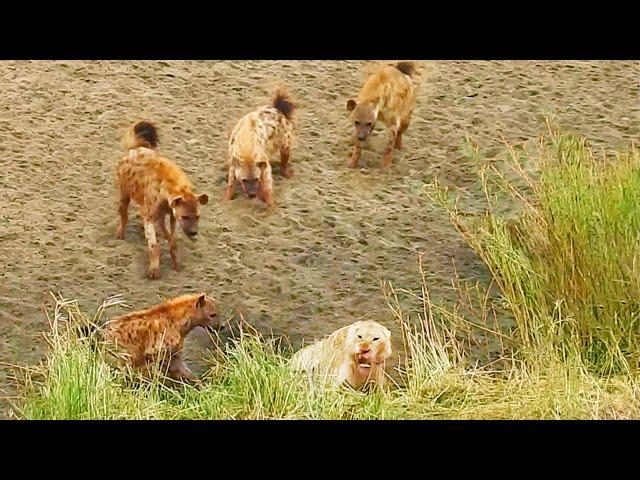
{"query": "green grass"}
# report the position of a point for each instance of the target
(568, 265)
(567, 277)
(251, 379)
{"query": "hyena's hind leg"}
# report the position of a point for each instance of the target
(123, 210)
(265, 185)
(285, 153)
(403, 126)
(138, 363)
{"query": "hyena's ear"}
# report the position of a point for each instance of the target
(200, 301)
(203, 199)
(351, 104)
(175, 201)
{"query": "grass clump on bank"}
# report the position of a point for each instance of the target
(568, 265)
(566, 270)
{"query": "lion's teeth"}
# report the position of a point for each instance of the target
(364, 365)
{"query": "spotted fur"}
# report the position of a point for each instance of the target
(157, 334)
(388, 95)
(257, 136)
(160, 189)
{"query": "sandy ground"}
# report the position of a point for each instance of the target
(314, 264)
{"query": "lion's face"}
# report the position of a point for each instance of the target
(368, 345)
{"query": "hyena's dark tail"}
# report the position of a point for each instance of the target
(90, 334)
(408, 68)
(283, 103)
(141, 134)
(91, 330)
(85, 331)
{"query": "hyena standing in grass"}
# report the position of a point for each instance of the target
(159, 188)
(157, 334)
(257, 136)
(387, 95)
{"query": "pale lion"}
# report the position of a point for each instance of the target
(355, 354)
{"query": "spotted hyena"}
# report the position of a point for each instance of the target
(387, 95)
(157, 334)
(257, 136)
(160, 189)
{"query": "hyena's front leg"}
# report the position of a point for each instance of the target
(285, 153)
(388, 153)
(154, 249)
(357, 148)
(173, 243)
(171, 239)
(231, 181)
(398, 144)
(123, 210)
(265, 186)
(178, 369)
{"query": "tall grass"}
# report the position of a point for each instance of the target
(567, 275)
(568, 266)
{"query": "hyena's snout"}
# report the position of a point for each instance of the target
(190, 229)
(214, 322)
(362, 132)
(250, 187)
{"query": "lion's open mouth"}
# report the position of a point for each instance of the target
(364, 362)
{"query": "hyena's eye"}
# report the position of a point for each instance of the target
(185, 217)
(357, 124)
(369, 124)
(376, 338)
(360, 337)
